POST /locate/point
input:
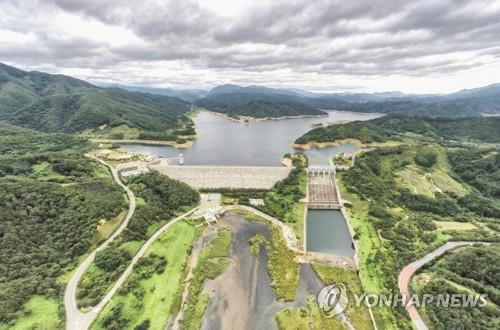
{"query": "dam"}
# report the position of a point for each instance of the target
(322, 188)
(238, 177)
(326, 229)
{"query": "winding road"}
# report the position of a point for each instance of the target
(76, 319)
(407, 272)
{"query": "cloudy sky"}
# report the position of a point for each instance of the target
(335, 45)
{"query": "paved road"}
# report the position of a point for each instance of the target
(407, 272)
(77, 320)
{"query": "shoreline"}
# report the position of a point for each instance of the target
(247, 120)
(336, 143)
(174, 144)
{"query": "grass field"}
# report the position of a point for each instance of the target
(309, 317)
(39, 313)
(453, 225)
(358, 315)
(415, 179)
(43, 171)
(298, 225)
(429, 181)
(107, 227)
(283, 269)
(158, 290)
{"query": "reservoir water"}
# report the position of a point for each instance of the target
(263, 143)
(327, 232)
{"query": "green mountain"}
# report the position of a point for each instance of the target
(57, 103)
(394, 126)
(242, 100)
(257, 102)
(472, 102)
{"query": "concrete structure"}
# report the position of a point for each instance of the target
(135, 172)
(322, 189)
(256, 201)
(260, 177)
(212, 214)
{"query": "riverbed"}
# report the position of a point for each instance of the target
(261, 143)
(242, 297)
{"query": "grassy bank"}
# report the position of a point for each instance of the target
(283, 269)
(309, 317)
(159, 199)
(212, 261)
(368, 244)
(149, 292)
(358, 315)
(38, 313)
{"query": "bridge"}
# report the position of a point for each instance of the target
(322, 189)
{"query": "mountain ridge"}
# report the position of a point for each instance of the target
(59, 103)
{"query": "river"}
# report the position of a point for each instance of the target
(261, 143)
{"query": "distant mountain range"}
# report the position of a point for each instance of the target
(189, 95)
(58, 103)
(257, 101)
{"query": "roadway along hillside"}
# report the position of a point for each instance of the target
(407, 272)
(77, 320)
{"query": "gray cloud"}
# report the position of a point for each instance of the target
(326, 38)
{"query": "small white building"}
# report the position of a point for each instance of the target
(213, 214)
(136, 172)
(256, 201)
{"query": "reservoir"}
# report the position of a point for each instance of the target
(261, 143)
(327, 232)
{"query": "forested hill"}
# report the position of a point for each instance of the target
(439, 107)
(258, 101)
(257, 104)
(469, 102)
(58, 103)
(393, 126)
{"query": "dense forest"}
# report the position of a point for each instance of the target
(57, 103)
(472, 267)
(159, 199)
(51, 200)
(406, 221)
(257, 105)
(436, 106)
(394, 127)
